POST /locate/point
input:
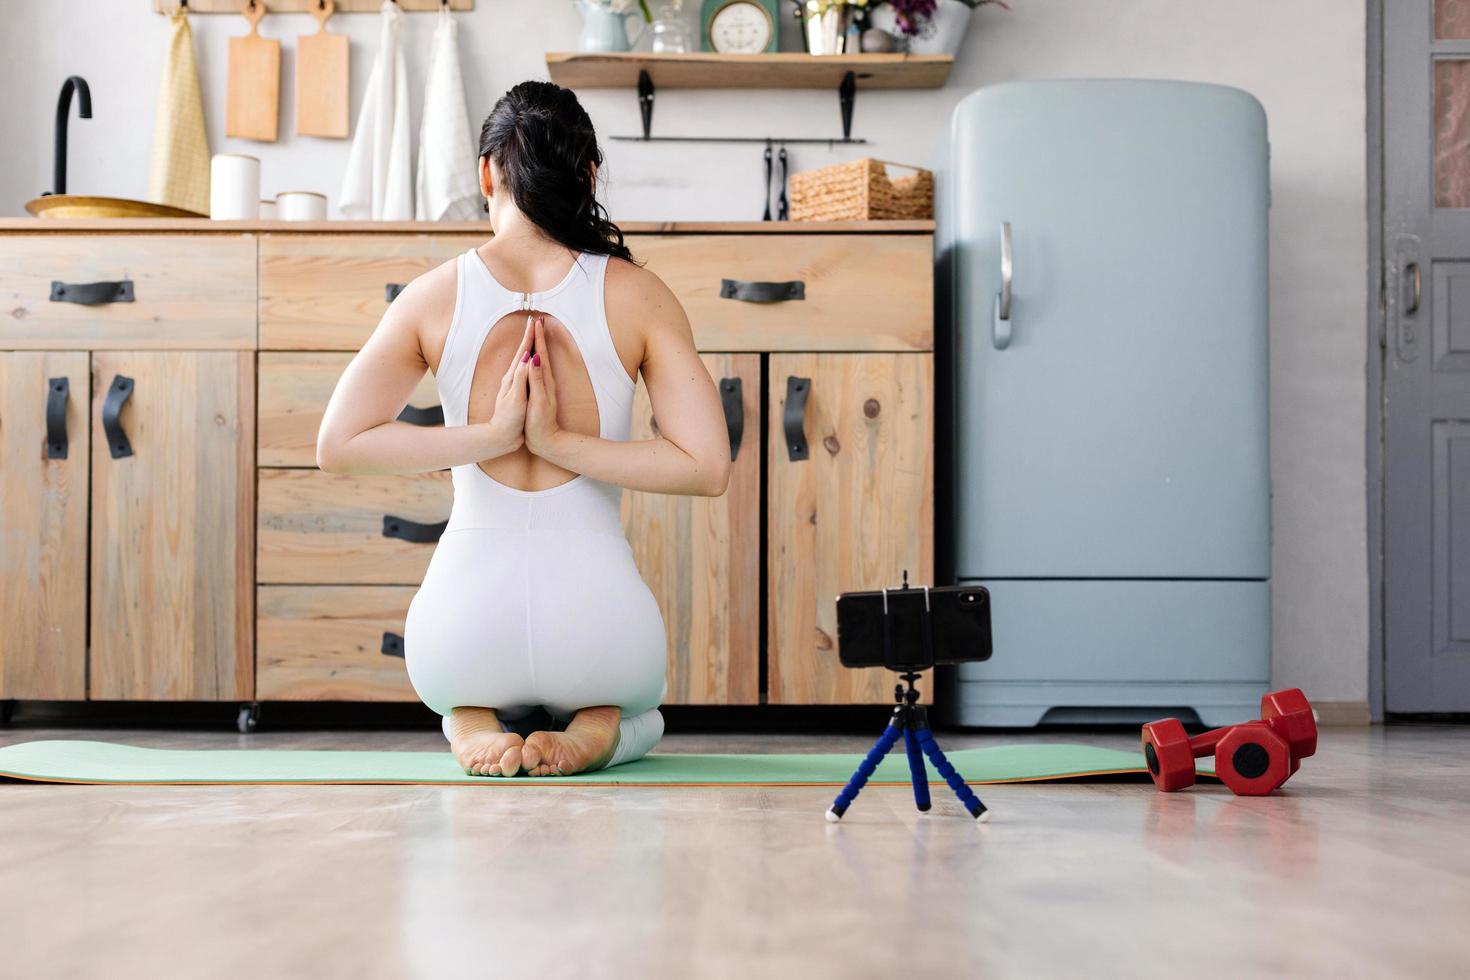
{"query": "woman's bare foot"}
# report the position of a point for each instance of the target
(588, 743)
(479, 745)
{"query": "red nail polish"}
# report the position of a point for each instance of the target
(525, 357)
(536, 360)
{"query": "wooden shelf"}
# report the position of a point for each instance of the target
(305, 6)
(204, 225)
(783, 70)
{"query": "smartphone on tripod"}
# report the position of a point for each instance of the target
(914, 629)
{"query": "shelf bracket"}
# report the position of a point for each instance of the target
(846, 96)
(645, 100)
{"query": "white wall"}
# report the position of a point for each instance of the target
(1304, 60)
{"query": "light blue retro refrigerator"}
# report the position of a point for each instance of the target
(1104, 253)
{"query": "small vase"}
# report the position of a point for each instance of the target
(670, 34)
(882, 19)
(944, 32)
(875, 41)
(825, 26)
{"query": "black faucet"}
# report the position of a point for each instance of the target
(77, 84)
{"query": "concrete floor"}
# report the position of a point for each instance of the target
(1361, 870)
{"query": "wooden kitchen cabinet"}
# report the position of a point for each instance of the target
(701, 555)
(43, 525)
(215, 562)
(172, 515)
(854, 514)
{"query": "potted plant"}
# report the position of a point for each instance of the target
(929, 26)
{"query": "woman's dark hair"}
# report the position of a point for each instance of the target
(543, 144)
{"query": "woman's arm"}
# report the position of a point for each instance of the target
(692, 452)
(360, 432)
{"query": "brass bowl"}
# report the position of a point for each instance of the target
(85, 206)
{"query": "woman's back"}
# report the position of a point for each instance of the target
(593, 371)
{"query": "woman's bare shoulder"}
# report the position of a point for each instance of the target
(635, 295)
(431, 294)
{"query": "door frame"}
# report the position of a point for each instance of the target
(1377, 335)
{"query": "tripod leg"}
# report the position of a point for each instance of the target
(916, 770)
(864, 771)
(954, 779)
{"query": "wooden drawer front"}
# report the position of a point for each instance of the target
(314, 527)
(861, 292)
(327, 292)
(294, 390)
(326, 642)
(189, 292)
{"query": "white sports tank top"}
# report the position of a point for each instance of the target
(480, 501)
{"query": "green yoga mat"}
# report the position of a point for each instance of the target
(108, 762)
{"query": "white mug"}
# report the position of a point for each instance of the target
(234, 187)
(301, 206)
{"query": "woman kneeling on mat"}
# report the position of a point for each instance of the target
(532, 607)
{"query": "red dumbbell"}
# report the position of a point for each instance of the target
(1252, 758)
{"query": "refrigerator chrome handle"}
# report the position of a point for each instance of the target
(1001, 337)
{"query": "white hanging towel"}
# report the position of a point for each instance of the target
(448, 177)
(378, 183)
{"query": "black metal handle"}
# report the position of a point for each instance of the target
(57, 392)
(92, 293)
(391, 291)
(406, 530)
(392, 645)
(433, 415)
(794, 417)
(117, 395)
(762, 292)
(730, 397)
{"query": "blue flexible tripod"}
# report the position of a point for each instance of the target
(911, 723)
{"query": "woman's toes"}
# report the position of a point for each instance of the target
(510, 762)
(534, 751)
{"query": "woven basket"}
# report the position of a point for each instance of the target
(861, 191)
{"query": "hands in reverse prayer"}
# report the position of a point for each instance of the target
(525, 407)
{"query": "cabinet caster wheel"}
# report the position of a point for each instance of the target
(249, 718)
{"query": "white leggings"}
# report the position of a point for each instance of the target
(519, 618)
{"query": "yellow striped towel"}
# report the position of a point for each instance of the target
(178, 173)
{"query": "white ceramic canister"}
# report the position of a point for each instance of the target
(267, 210)
(234, 187)
(301, 206)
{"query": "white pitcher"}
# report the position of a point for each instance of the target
(604, 29)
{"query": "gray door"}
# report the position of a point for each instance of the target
(1426, 352)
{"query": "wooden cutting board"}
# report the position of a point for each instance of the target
(253, 95)
(321, 79)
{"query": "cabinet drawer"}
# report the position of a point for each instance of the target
(294, 390)
(316, 527)
(326, 643)
(194, 292)
(859, 292)
(327, 292)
